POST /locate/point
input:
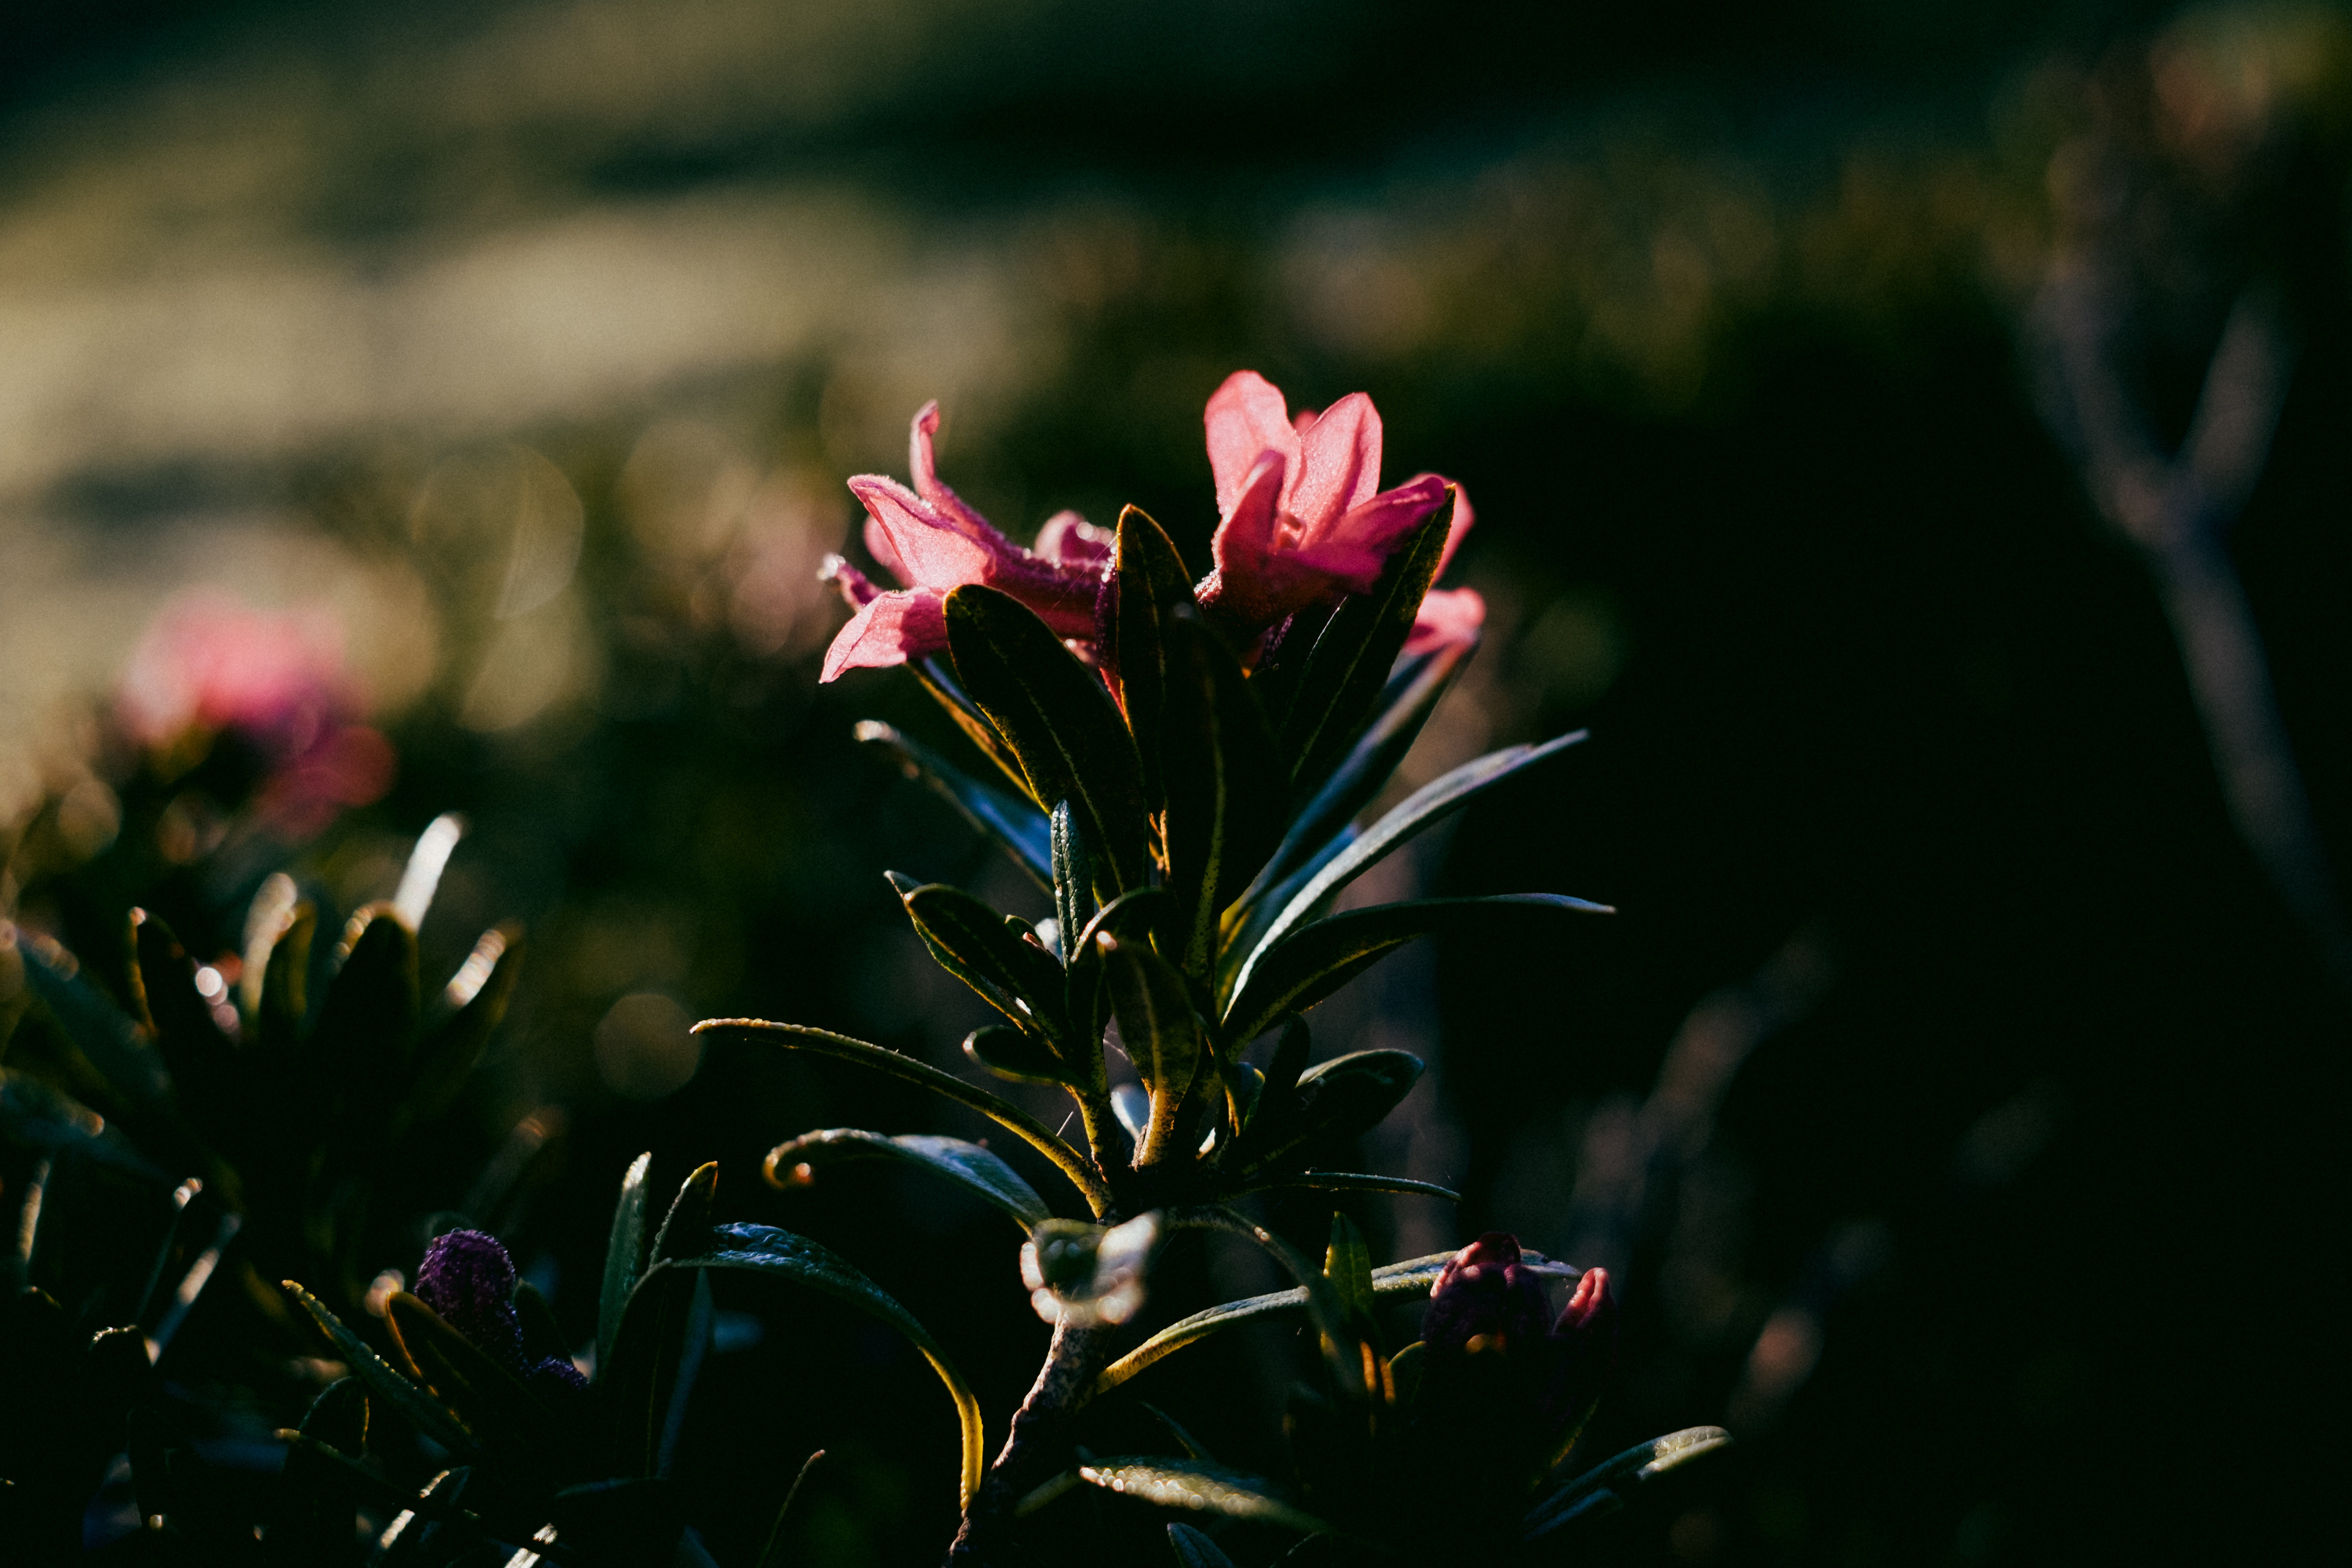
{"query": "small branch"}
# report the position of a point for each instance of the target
(1037, 1443)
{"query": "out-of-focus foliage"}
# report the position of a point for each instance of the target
(528, 346)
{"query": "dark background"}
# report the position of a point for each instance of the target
(1718, 312)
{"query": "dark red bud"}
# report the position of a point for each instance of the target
(1486, 1300)
(1584, 1346)
(467, 1278)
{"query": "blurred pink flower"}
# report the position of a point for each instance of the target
(207, 665)
(1302, 517)
(931, 541)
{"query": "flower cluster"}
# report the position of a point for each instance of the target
(468, 1280)
(1301, 520)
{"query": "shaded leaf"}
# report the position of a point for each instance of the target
(1609, 1486)
(1353, 655)
(1420, 811)
(1351, 1182)
(1225, 790)
(1201, 1488)
(623, 1252)
(1059, 723)
(1308, 966)
(1340, 1098)
(1128, 916)
(421, 1409)
(471, 1008)
(1146, 581)
(205, 1074)
(938, 678)
(1194, 1550)
(1074, 875)
(1348, 1265)
(490, 1400)
(971, 942)
(1009, 1053)
(796, 1036)
(780, 1255)
(772, 1554)
(1016, 824)
(685, 1229)
(285, 990)
(1161, 1031)
(969, 1165)
(367, 1022)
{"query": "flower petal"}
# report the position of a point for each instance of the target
(1245, 420)
(908, 625)
(885, 554)
(855, 587)
(1338, 463)
(1355, 547)
(1070, 539)
(930, 552)
(923, 464)
(1447, 615)
(1243, 549)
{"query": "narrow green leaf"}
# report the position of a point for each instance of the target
(938, 678)
(971, 941)
(772, 1554)
(1348, 1265)
(622, 1254)
(780, 1255)
(205, 1073)
(422, 1410)
(490, 1400)
(467, 1012)
(1324, 1306)
(1349, 1182)
(1423, 809)
(1074, 873)
(1194, 1550)
(367, 1023)
(1226, 790)
(1161, 1031)
(1016, 824)
(1021, 1058)
(686, 1228)
(1411, 1277)
(1201, 1488)
(284, 994)
(1339, 1099)
(1354, 654)
(796, 1036)
(1311, 962)
(1058, 722)
(1146, 580)
(1609, 1486)
(969, 1165)
(1128, 918)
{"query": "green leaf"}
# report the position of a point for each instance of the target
(1411, 1277)
(971, 941)
(1146, 580)
(1425, 809)
(205, 1073)
(1352, 657)
(1349, 1182)
(969, 1165)
(490, 1400)
(1348, 1265)
(1340, 1098)
(796, 1036)
(283, 1000)
(1073, 874)
(1058, 722)
(363, 1042)
(1161, 1031)
(1324, 1305)
(622, 1254)
(686, 1228)
(1021, 1058)
(939, 680)
(1311, 962)
(1609, 1486)
(1201, 1488)
(1226, 790)
(1404, 706)
(423, 1411)
(471, 1008)
(1194, 1550)
(1129, 917)
(1017, 826)
(772, 1554)
(780, 1255)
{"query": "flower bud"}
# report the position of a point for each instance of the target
(1486, 1300)
(1583, 1345)
(468, 1280)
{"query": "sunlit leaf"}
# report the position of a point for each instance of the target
(1009, 1053)
(1146, 580)
(1161, 1031)
(938, 678)
(971, 942)
(967, 1165)
(1016, 824)
(1225, 790)
(685, 1229)
(1348, 1265)
(1201, 1488)
(421, 1409)
(1609, 1486)
(822, 1042)
(1128, 916)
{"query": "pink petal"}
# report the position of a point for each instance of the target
(929, 553)
(892, 629)
(1067, 537)
(1463, 518)
(855, 587)
(923, 464)
(1357, 546)
(1243, 547)
(1338, 463)
(1246, 421)
(1446, 616)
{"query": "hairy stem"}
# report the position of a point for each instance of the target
(1038, 1442)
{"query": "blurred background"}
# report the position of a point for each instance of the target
(1915, 438)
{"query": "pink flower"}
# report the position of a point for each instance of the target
(1301, 514)
(933, 542)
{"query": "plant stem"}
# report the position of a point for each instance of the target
(1039, 1440)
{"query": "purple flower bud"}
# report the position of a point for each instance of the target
(469, 1281)
(1486, 1300)
(558, 1384)
(1583, 1346)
